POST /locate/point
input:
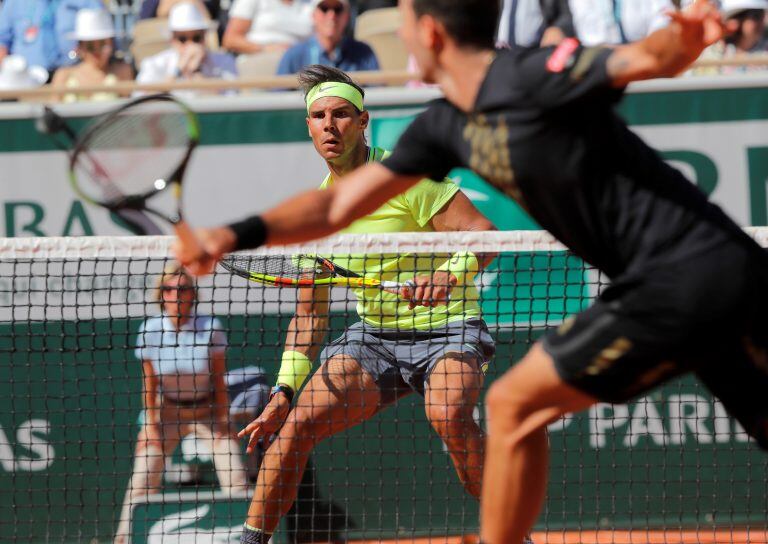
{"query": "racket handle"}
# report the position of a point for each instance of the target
(398, 288)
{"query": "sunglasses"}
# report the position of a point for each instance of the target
(338, 10)
(197, 38)
(96, 46)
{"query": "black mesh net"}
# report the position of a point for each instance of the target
(119, 416)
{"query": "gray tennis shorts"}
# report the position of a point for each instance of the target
(400, 360)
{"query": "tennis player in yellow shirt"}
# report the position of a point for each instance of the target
(437, 349)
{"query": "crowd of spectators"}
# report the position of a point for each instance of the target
(74, 43)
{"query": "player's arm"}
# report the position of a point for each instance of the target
(670, 50)
(310, 215)
(306, 333)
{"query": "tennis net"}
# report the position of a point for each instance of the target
(669, 467)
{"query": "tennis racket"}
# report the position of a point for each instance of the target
(304, 271)
(129, 157)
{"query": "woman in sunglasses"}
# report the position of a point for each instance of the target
(188, 57)
(183, 362)
(95, 35)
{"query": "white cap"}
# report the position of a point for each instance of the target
(15, 74)
(92, 24)
(186, 16)
(730, 8)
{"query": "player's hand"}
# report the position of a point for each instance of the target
(701, 25)
(268, 423)
(430, 291)
(214, 242)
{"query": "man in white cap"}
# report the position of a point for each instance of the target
(188, 57)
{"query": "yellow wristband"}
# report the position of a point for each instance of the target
(294, 369)
(463, 264)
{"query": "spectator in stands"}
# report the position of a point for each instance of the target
(329, 45)
(260, 26)
(532, 23)
(615, 22)
(37, 30)
(151, 9)
(183, 359)
(188, 56)
(95, 33)
(748, 19)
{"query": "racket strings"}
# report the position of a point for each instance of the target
(129, 153)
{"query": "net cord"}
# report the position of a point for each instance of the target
(406, 242)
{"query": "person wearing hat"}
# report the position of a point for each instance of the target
(747, 21)
(188, 57)
(329, 45)
(38, 30)
(263, 26)
(750, 15)
(95, 33)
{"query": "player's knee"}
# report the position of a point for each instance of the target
(449, 420)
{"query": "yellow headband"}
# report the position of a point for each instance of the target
(337, 89)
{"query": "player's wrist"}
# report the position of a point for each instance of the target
(282, 391)
(249, 233)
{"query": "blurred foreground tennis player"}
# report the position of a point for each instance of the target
(437, 350)
(689, 289)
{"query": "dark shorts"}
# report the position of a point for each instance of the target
(401, 360)
(708, 315)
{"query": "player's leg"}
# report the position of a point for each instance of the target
(449, 401)
(628, 342)
(519, 406)
(339, 395)
(154, 444)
